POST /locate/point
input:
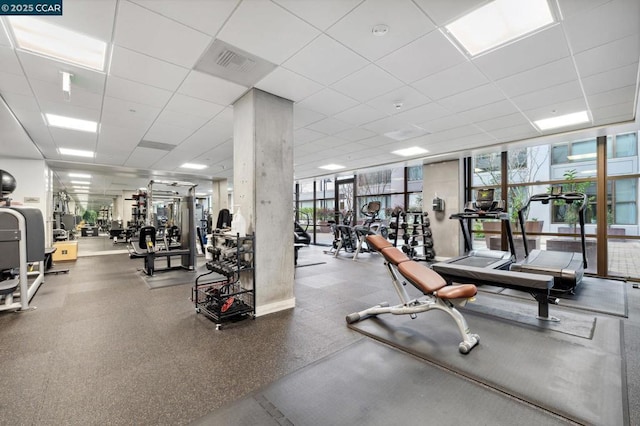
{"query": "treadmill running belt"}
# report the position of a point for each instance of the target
(477, 261)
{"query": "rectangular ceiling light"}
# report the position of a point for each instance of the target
(193, 166)
(80, 175)
(562, 120)
(499, 22)
(71, 123)
(42, 37)
(331, 167)
(409, 152)
(80, 182)
(76, 152)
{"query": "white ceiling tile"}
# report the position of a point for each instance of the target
(423, 57)
(616, 19)
(444, 11)
(73, 139)
(186, 121)
(256, 26)
(329, 126)
(522, 131)
(613, 113)
(355, 134)
(166, 133)
(327, 102)
(616, 96)
(4, 36)
(407, 96)
(367, 83)
(93, 18)
(453, 80)
(569, 8)
(289, 85)
(69, 110)
(444, 123)
(40, 68)
(406, 23)
(144, 157)
(302, 136)
(210, 88)
(14, 83)
(8, 60)
(193, 106)
(136, 92)
(52, 92)
(319, 13)
(134, 66)
(147, 32)
(119, 112)
(210, 16)
(422, 113)
(385, 125)
(325, 60)
(503, 122)
(473, 98)
(552, 74)
(15, 142)
(560, 108)
(303, 116)
(533, 51)
(549, 95)
(485, 112)
(608, 56)
(609, 80)
(360, 114)
(114, 140)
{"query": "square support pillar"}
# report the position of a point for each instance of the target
(263, 191)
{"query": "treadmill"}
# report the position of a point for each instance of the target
(484, 208)
(566, 268)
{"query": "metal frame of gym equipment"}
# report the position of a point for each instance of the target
(567, 268)
(187, 250)
(12, 238)
(436, 293)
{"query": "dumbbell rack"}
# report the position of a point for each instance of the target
(412, 230)
(226, 293)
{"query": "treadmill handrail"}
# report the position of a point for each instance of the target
(567, 197)
(465, 224)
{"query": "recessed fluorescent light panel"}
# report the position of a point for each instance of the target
(80, 175)
(193, 166)
(71, 123)
(76, 152)
(409, 152)
(562, 120)
(44, 38)
(331, 167)
(499, 22)
(80, 182)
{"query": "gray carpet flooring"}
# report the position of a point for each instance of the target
(100, 347)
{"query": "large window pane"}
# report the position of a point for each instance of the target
(626, 145)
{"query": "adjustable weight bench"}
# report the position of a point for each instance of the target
(436, 293)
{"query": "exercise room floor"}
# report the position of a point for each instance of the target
(102, 348)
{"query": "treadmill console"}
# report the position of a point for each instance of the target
(484, 202)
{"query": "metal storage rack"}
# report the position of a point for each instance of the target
(227, 292)
(414, 228)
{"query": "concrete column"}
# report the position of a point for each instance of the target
(263, 190)
(219, 197)
(443, 179)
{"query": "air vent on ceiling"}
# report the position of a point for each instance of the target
(230, 63)
(156, 145)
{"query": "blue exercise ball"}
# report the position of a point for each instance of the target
(8, 183)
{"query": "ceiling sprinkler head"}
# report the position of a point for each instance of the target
(397, 105)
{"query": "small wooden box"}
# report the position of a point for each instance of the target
(65, 250)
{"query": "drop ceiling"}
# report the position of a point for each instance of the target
(357, 96)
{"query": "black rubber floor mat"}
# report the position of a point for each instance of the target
(372, 384)
(576, 378)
